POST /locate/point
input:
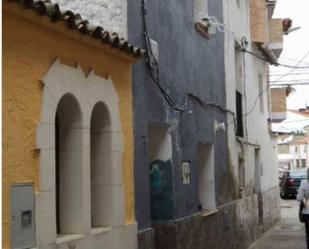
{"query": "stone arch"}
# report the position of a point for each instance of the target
(99, 164)
(68, 165)
(64, 84)
(106, 169)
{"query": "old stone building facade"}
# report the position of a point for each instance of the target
(68, 131)
(252, 148)
(107, 145)
(211, 117)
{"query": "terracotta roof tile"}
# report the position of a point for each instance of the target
(304, 140)
(75, 22)
(304, 113)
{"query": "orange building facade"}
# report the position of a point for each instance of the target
(67, 133)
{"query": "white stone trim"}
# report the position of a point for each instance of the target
(47, 170)
(88, 91)
(45, 136)
(45, 218)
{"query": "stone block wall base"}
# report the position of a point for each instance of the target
(235, 226)
(116, 238)
(271, 208)
(146, 239)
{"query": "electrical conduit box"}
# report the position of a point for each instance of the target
(22, 216)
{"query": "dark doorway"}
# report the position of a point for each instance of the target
(160, 173)
(257, 184)
(239, 115)
(68, 166)
(57, 176)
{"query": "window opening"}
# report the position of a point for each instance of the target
(57, 180)
(68, 166)
(160, 173)
(303, 163)
(100, 164)
(206, 177)
(239, 115)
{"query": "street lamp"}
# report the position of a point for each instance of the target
(291, 30)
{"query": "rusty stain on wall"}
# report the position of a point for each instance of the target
(228, 184)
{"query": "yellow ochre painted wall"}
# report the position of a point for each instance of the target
(29, 50)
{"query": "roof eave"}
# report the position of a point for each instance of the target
(61, 28)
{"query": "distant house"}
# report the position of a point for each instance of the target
(299, 151)
(67, 131)
(293, 153)
(296, 121)
(252, 147)
(205, 159)
(293, 139)
(284, 156)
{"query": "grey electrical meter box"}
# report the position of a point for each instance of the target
(22, 216)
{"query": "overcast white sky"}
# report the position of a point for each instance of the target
(296, 45)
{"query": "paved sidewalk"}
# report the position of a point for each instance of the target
(289, 233)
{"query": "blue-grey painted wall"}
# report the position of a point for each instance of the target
(188, 63)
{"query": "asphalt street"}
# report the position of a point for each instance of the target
(289, 233)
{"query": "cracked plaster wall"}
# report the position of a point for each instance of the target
(111, 15)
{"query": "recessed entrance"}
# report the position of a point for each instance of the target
(68, 137)
(160, 173)
(100, 147)
(206, 177)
